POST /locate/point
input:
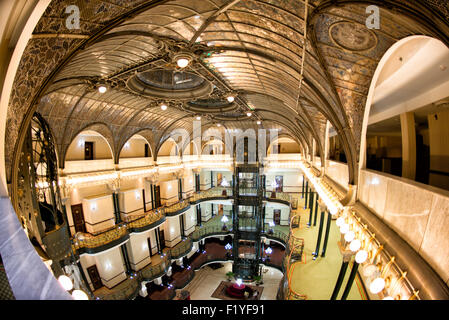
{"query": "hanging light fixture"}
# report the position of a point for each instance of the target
(249, 114)
(164, 107)
(230, 98)
(182, 59)
(65, 282)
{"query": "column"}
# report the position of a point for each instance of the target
(352, 275)
(408, 145)
(310, 205)
(316, 208)
(320, 230)
(307, 194)
(326, 235)
(347, 255)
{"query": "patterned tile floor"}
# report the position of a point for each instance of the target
(5, 289)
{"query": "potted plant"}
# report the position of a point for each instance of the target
(230, 275)
(258, 279)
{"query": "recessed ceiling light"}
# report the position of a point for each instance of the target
(102, 89)
(164, 106)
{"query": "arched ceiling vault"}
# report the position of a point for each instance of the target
(253, 48)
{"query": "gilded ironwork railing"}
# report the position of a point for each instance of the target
(154, 271)
(205, 231)
(181, 248)
(86, 240)
(177, 207)
(294, 257)
(147, 219)
(126, 290)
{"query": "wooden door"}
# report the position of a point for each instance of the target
(94, 277)
(149, 246)
(157, 196)
(277, 216)
(88, 150)
(78, 218)
(161, 239)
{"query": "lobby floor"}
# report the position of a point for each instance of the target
(206, 280)
(316, 278)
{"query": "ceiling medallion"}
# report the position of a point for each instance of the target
(352, 36)
(170, 84)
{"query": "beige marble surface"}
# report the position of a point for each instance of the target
(407, 210)
(435, 244)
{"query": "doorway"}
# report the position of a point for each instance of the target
(277, 216)
(161, 239)
(157, 196)
(88, 150)
(147, 150)
(149, 246)
(78, 218)
(279, 183)
(94, 277)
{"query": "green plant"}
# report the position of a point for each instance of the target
(230, 274)
(258, 279)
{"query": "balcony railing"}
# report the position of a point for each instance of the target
(181, 249)
(155, 271)
(86, 240)
(126, 290)
(201, 233)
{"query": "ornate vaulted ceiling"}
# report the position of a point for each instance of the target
(256, 49)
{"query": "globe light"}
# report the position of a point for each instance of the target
(344, 228)
(355, 245)
(218, 125)
(259, 122)
(182, 62)
(249, 114)
(361, 256)
(349, 236)
(230, 99)
(334, 211)
(102, 89)
(79, 295)
(66, 282)
(340, 221)
(377, 285)
(198, 118)
(388, 298)
(164, 106)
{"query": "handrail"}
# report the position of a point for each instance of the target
(295, 245)
(181, 249)
(124, 291)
